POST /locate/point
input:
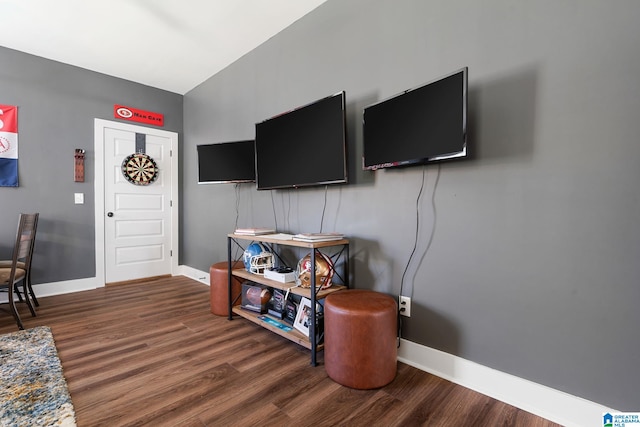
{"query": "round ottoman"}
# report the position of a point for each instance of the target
(219, 287)
(360, 338)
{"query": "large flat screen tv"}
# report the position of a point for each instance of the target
(303, 147)
(227, 162)
(418, 126)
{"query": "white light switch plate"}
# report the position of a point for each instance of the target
(79, 198)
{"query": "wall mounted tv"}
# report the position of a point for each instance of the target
(418, 126)
(228, 162)
(303, 147)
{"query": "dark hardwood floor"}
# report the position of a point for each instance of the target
(152, 354)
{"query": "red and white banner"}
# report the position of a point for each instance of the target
(8, 146)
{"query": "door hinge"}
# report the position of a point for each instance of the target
(170, 153)
(170, 203)
(171, 253)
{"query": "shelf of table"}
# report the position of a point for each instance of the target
(290, 286)
(292, 335)
(296, 243)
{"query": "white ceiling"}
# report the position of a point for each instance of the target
(169, 44)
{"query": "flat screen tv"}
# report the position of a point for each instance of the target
(418, 126)
(303, 147)
(227, 162)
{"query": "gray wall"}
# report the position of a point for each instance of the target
(57, 104)
(527, 257)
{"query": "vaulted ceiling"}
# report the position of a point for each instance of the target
(168, 44)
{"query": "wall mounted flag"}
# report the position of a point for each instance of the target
(8, 146)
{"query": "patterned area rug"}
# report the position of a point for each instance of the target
(33, 391)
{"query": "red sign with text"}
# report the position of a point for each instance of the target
(135, 115)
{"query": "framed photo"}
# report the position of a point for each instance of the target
(276, 304)
(290, 311)
(303, 316)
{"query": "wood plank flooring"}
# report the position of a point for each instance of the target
(152, 354)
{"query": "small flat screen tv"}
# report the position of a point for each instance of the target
(227, 162)
(418, 126)
(303, 147)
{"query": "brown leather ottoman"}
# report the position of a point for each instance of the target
(219, 287)
(360, 338)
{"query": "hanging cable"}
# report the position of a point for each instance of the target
(287, 222)
(237, 188)
(273, 206)
(324, 207)
(433, 210)
(415, 242)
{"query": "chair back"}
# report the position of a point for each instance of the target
(25, 238)
(20, 262)
(28, 239)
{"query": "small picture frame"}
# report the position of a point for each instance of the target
(276, 307)
(303, 316)
(290, 310)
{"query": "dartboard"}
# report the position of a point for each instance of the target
(139, 169)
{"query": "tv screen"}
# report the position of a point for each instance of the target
(228, 162)
(303, 147)
(419, 125)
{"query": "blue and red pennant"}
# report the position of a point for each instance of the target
(8, 146)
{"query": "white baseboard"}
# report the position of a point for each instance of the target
(67, 287)
(63, 287)
(192, 273)
(77, 285)
(554, 405)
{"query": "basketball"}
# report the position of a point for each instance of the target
(258, 296)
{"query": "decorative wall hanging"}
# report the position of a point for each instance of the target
(78, 166)
(8, 146)
(139, 169)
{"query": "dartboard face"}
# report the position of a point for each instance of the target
(139, 169)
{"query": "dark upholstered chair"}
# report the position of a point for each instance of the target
(16, 273)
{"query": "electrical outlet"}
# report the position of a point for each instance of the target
(405, 306)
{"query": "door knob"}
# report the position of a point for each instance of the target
(109, 214)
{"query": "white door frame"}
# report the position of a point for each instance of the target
(98, 144)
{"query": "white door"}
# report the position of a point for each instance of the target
(138, 219)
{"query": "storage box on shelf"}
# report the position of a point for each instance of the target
(313, 293)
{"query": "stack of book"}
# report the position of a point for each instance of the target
(254, 231)
(317, 237)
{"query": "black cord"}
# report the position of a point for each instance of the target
(415, 243)
(433, 232)
(288, 221)
(413, 251)
(237, 190)
(237, 204)
(433, 208)
(273, 206)
(435, 218)
(324, 207)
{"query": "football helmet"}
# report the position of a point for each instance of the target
(324, 271)
(257, 258)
